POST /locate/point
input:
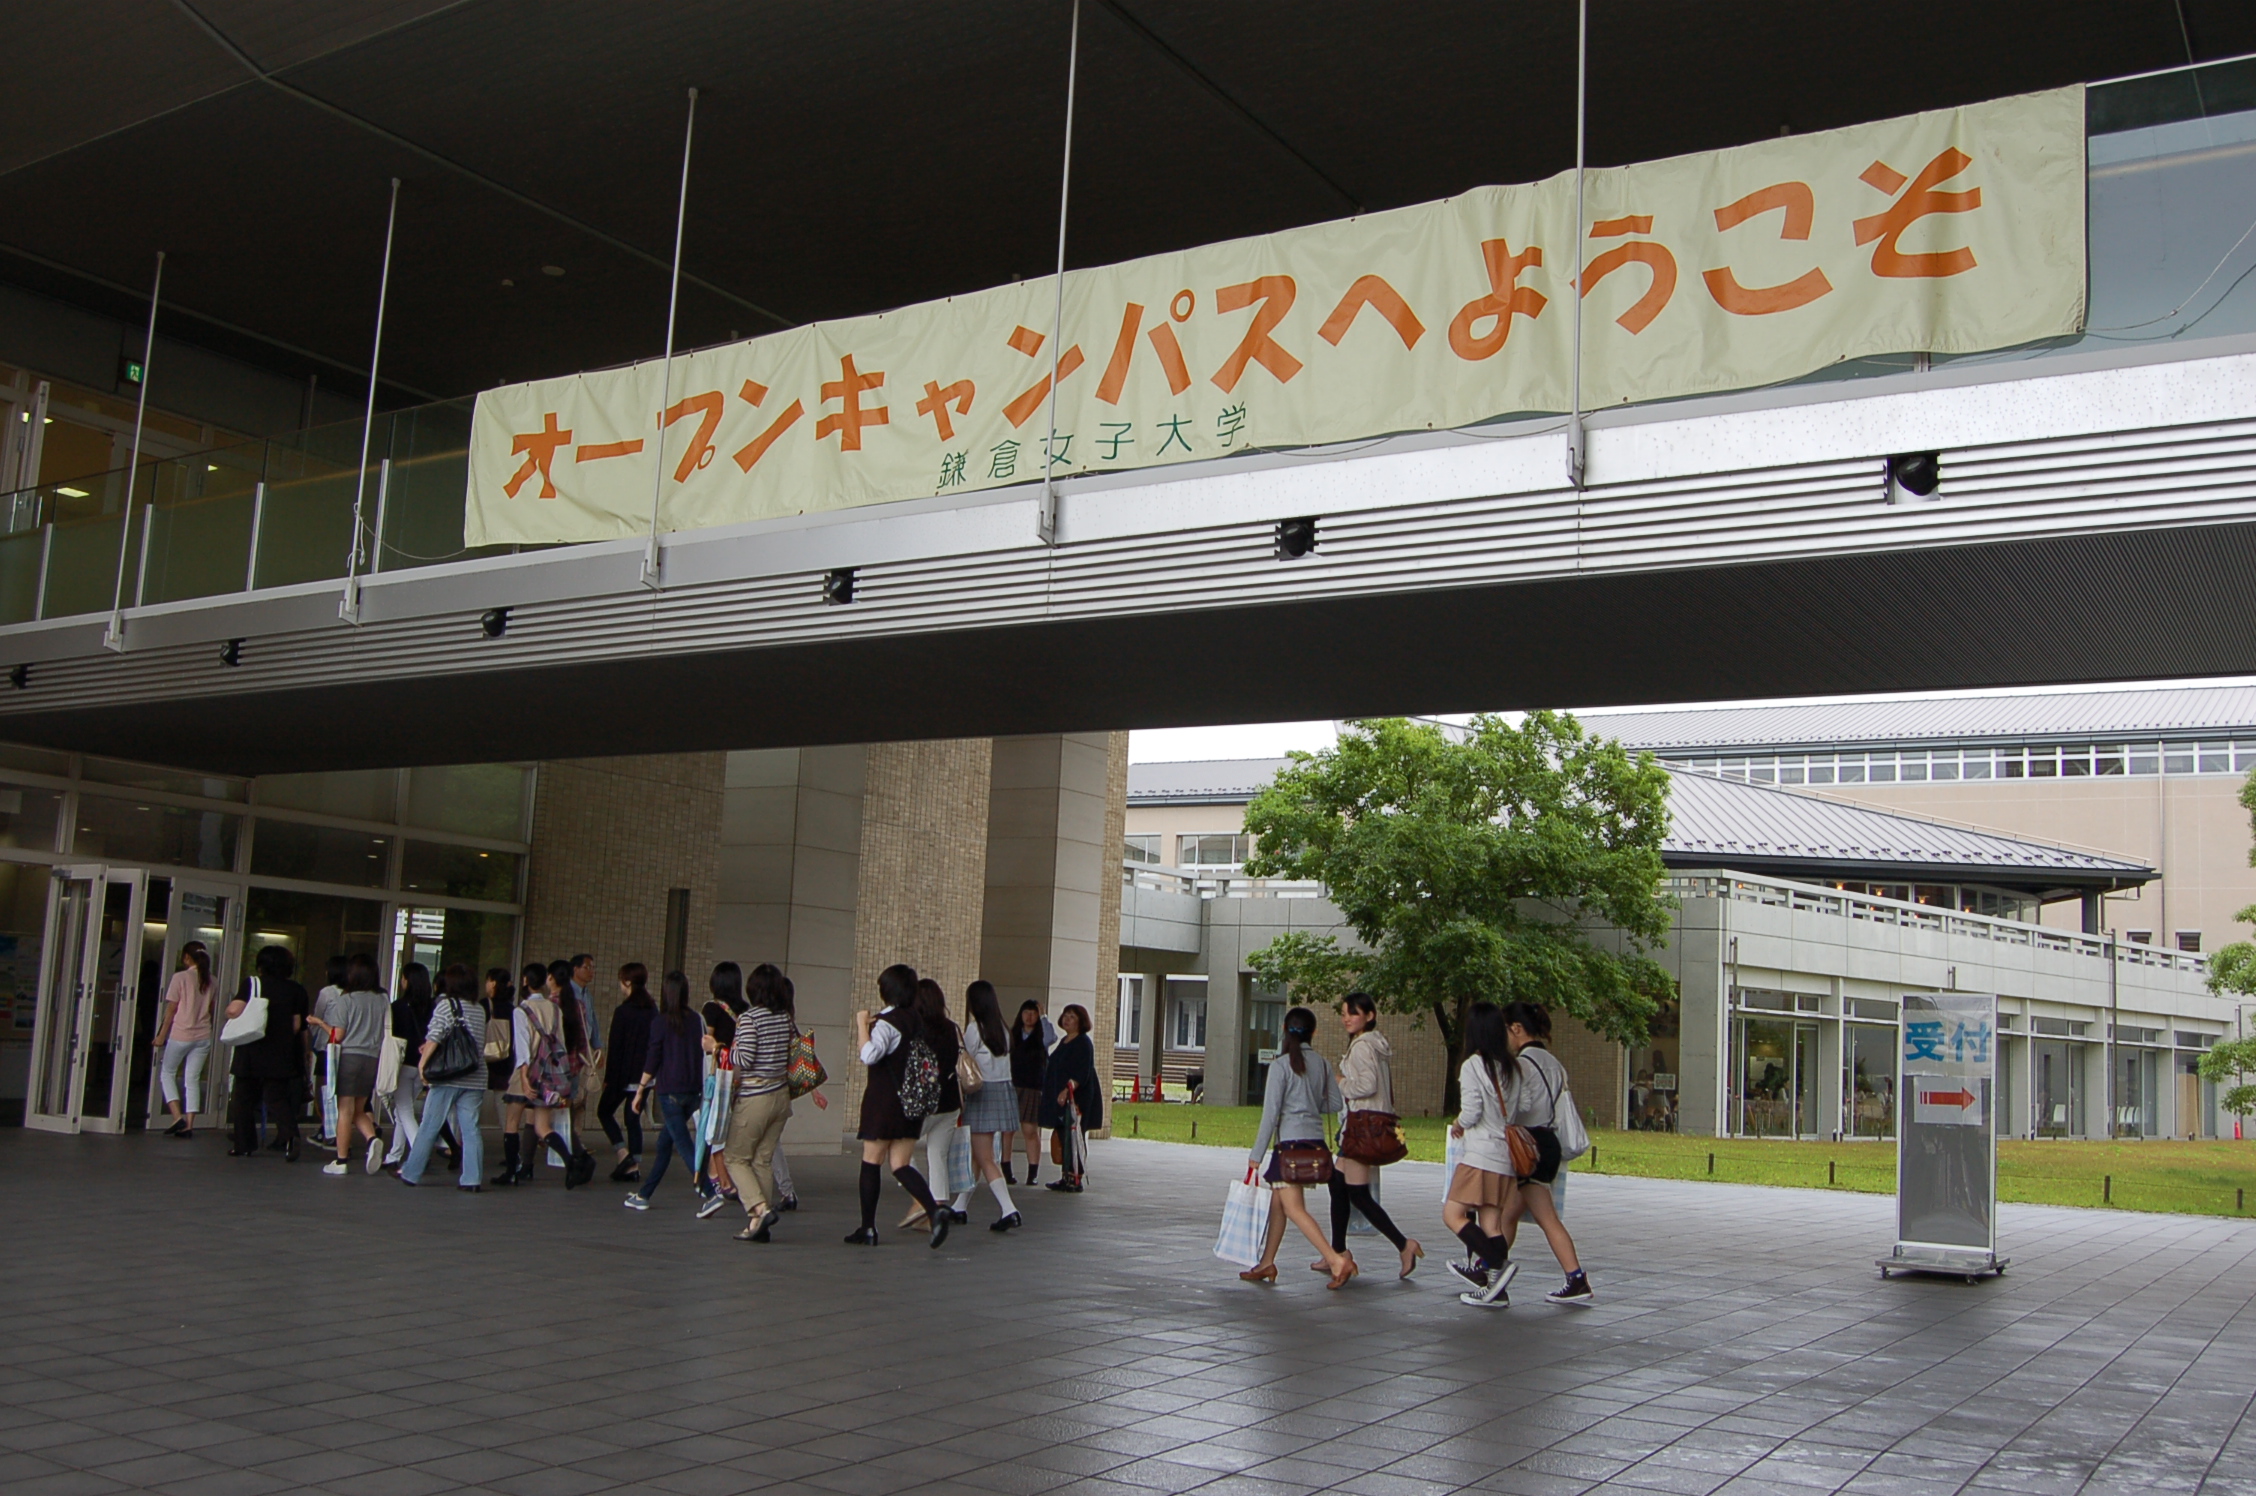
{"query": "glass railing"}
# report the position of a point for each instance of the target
(240, 518)
(2172, 255)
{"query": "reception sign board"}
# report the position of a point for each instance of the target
(1946, 1146)
(1947, 232)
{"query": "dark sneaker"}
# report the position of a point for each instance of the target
(1470, 1272)
(711, 1205)
(1497, 1281)
(1482, 1300)
(1576, 1291)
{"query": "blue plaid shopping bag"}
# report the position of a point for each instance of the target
(1245, 1222)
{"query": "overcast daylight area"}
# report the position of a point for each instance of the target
(1120, 746)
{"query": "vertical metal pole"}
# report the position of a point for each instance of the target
(46, 554)
(383, 499)
(141, 572)
(650, 566)
(1045, 523)
(114, 636)
(258, 516)
(1582, 87)
(2114, 1013)
(348, 608)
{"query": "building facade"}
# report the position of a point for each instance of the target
(1801, 926)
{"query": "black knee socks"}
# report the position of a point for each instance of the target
(1340, 1209)
(528, 1148)
(510, 1152)
(1491, 1250)
(870, 1186)
(557, 1145)
(914, 1183)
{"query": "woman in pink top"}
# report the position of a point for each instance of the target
(185, 1031)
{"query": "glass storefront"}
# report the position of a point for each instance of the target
(2056, 1089)
(1651, 1104)
(1776, 1066)
(108, 868)
(2137, 1093)
(1868, 1081)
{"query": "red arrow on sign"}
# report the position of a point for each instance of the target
(1947, 1098)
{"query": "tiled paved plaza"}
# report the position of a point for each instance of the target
(174, 1320)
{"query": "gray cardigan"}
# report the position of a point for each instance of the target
(1293, 1107)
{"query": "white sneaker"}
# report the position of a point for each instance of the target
(336, 1166)
(1497, 1280)
(635, 1202)
(375, 1159)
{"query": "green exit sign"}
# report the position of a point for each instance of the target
(129, 369)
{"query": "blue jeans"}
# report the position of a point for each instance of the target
(675, 1108)
(462, 1104)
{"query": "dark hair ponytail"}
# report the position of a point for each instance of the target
(199, 956)
(1300, 1027)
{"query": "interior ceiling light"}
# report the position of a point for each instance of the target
(1295, 538)
(838, 586)
(552, 269)
(72, 493)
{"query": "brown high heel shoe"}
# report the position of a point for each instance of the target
(1260, 1274)
(1411, 1253)
(1347, 1271)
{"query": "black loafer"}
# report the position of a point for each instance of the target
(1008, 1222)
(865, 1237)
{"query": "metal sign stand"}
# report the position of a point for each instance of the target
(1946, 1148)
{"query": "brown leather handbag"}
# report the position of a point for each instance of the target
(1373, 1138)
(1525, 1155)
(1304, 1163)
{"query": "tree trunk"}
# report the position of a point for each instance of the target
(1452, 1026)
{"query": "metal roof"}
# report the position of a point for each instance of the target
(1755, 828)
(1207, 781)
(2082, 716)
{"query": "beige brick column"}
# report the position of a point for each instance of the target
(611, 837)
(790, 887)
(1047, 876)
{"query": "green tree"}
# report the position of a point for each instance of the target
(1477, 866)
(2232, 973)
(1311, 968)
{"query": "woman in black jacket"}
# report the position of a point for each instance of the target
(1069, 1086)
(622, 1067)
(1031, 1038)
(268, 1071)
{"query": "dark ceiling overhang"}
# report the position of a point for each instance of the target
(854, 156)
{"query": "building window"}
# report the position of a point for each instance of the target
(1186, 1013)
(1141, 849)
(1131, 1024)
(2142, 937)
(1214, 849)
(2189, 940)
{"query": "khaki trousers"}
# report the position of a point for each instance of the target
(755, 1127)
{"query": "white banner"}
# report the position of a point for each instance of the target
(1949, 232)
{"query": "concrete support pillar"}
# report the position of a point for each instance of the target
(791, 854)
(1047, 869)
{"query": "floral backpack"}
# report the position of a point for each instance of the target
(920, 1081)
(548, 1073)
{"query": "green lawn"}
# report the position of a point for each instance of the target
(2214, 1178)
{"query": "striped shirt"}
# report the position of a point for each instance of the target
(763, 1051)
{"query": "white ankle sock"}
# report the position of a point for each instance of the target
(961, 1202)
(1002, 1196)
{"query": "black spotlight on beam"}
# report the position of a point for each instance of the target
(1916, 473)
(20, 677)
(231, 653)
(838, 586)
(1295, 538)
(495, 622)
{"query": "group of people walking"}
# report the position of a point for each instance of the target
(1514, 1094)
(715, 1080)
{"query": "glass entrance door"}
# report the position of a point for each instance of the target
(1777, 1078)
(213, 915)
(81, 1047)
